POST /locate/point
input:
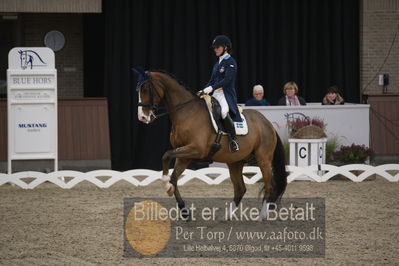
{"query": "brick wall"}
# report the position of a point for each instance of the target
(378, 24)
(69, 60)
(47, 6)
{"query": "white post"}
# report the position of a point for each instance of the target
(305, 152)
(32, 105)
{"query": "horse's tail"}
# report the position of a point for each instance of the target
(279, 174)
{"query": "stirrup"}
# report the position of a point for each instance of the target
(234, 147)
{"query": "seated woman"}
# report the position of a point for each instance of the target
(258, 99)
(332, 97)
(291, 99)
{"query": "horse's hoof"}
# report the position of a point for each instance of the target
(165, 178)
(170, 189)
(185, 214)
(230, 212)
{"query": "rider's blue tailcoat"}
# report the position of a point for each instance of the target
(223, 76)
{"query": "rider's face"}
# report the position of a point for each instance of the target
(219, 50)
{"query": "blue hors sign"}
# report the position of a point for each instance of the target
(32, 104)
(32, 80)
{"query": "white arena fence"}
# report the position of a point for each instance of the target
(212, 176)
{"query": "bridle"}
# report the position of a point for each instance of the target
(154, 106)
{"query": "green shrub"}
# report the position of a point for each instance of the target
(331, 147)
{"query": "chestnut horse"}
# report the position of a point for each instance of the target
(192, 136)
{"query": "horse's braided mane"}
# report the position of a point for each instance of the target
(175, 78)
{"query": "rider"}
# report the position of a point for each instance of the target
(222, 84)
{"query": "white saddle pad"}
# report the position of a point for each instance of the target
(241, 127)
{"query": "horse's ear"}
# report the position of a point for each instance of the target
(138, 71)
(140, 76)
(147, 75)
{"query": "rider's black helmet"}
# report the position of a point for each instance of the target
(221, 40)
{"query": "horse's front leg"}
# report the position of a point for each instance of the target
(185, 152)
(180, 165)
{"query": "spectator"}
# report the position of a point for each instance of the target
(258, 99)
(332, 97)
(290, 90)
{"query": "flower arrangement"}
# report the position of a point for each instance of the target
(353, 154)
(314, 127)
(299, 123)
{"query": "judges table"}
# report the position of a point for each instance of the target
(348, 123)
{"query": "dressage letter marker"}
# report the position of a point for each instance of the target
(305, 152)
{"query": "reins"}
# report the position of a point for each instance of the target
(176, 108)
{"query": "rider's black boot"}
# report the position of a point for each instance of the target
(229, 128)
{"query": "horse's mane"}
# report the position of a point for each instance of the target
(179, 81)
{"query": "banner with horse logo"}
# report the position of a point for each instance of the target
(31, 58)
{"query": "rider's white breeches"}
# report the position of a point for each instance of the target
(219, 96)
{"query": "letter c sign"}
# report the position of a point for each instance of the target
(303, 149)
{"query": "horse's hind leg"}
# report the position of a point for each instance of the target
(235, 170)
(264, 160)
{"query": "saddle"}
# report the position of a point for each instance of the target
(215, 116)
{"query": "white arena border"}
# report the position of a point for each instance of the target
(211, 176)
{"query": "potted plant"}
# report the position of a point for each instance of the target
(354, 154)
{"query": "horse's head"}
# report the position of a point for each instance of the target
(149, 96)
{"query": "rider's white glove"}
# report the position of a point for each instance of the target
(207, 90)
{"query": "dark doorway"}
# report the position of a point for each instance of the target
(93, 45)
